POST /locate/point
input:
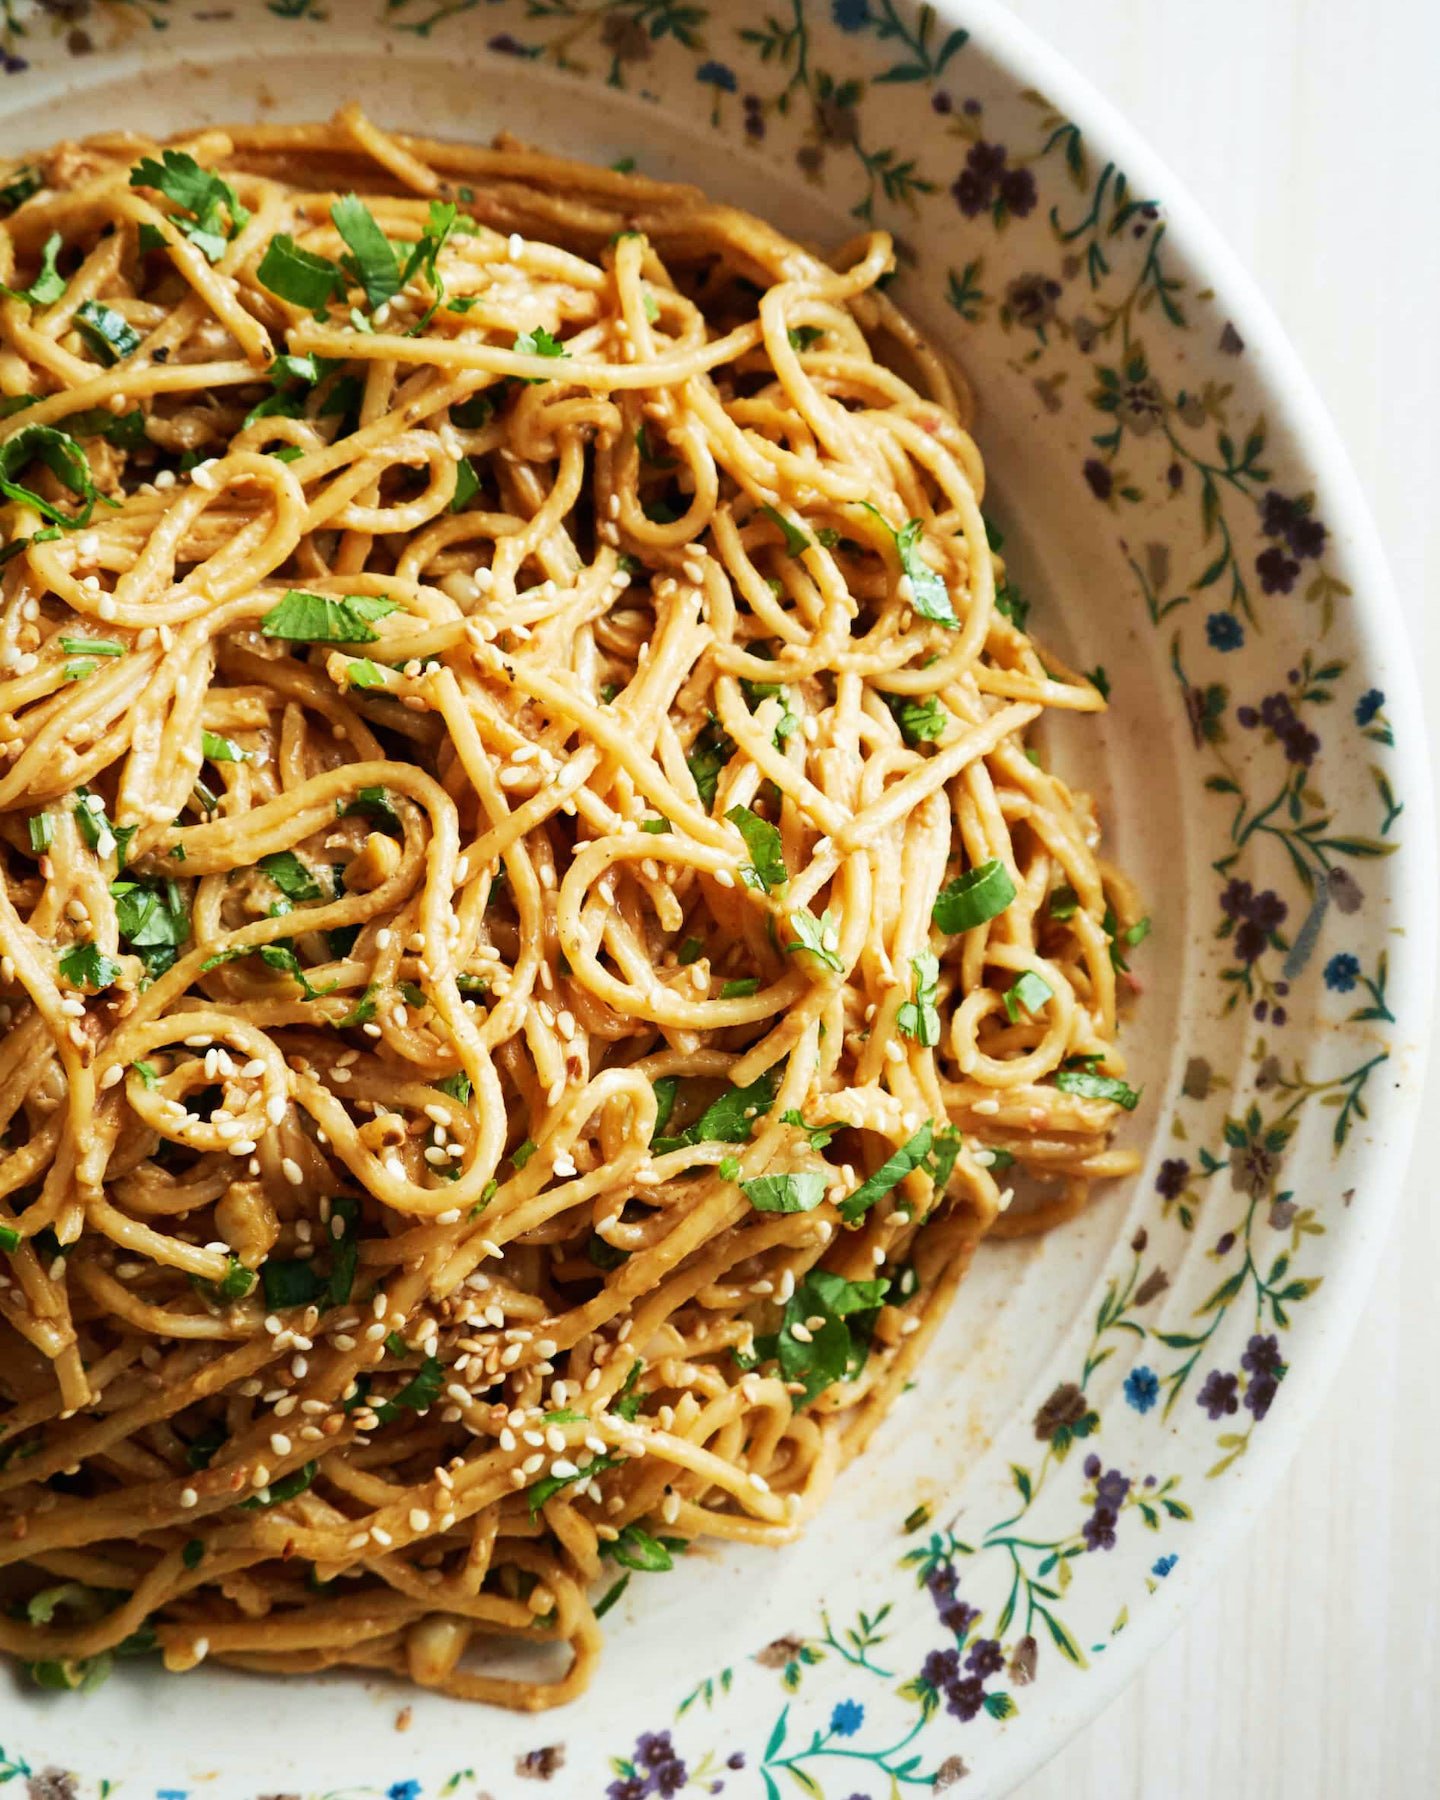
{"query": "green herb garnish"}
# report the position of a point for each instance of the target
(200, 193)
(87, 966)
(108, 332)
(1092, 1086)
(766, 869)
(1028, 990)
(981, 893)
(918, 1018)
(793, 1193)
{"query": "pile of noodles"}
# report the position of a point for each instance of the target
(505, 1084)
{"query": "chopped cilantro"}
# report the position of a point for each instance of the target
(821, 937)
(709, 754)
(315, 619)
(893, 1170)
(200, 193)
(636, 1549)
(550, 1485)
(372, 261)
(49, 284)
(66, 462)
(290, 875)
(928, 594)
(1028, 990)
(793, 1193)
(87, 966)
(979, 894)
(290, 1284)
(287, 1488)
(920, 721)
(766, 869)
(418, 1394)
(108, 332)
(215, 748)
(796, 540)
(1092, 1086)
(918, 1018)
(297, 275)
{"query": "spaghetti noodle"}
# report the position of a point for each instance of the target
(533, 945)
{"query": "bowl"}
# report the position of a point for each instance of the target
(1108, 1406)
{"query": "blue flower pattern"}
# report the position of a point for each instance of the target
(1142, 1388)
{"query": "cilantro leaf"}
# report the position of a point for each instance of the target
(550, 1485)
(920, 721)
(711, 751)
(979, 894)
(110, 334)
(538, 343)
(1010, 605)
(216, 748)
(834, 1351)
(819, 1135)
(87, 966)
(372, 260)
(729, 1119)
(153, 919)
(636, 1549)
(49, 284)
(918, 1018)
(207, 198)
(66, 462)
(928, 593)
(796, 540)
(125, 430)
(893, 1170)
(467, 484)
(800, 1192)
(1028, 990)
(315, 619)
(421, 1392)
(287, 1488)
(279, 956)
(21, 184)
(290, 1284)
(290, 875)
(299, 276)
(821, 937)
(1092, 1086)
(766, 869)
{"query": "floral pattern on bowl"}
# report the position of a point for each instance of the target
(1254, 625)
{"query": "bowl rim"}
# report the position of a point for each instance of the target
(1374, 612)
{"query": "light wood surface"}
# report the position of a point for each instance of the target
(1306, 129)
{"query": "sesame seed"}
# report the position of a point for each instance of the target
(189, 1498)
(279, 1443)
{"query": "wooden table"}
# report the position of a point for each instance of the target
(1307, 132)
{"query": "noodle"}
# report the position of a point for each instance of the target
(533, 945)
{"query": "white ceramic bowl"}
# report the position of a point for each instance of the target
(1108, 1406)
